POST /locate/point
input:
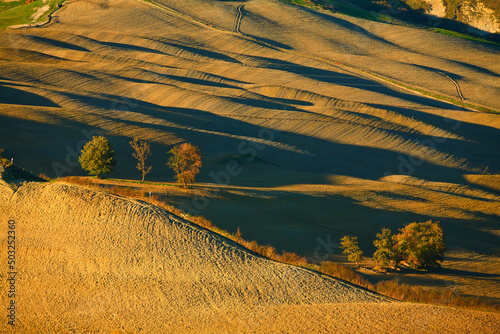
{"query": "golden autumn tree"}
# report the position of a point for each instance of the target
(420, 245)
(185, 162)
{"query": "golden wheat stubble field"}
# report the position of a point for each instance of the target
(323, 149)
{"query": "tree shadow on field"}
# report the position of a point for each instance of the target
(221, 83)
(480, 146)
(288, 101)
(202, 52)
(9, 95)
(458, 126)
(129, 47)
(476, 68)
(347, 80)
(452, 75)
(199, 81)
(56, 43)
(334, 158)
(269, 42)
(468, 273)
(227, 81)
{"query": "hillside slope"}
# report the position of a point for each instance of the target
(90, 261)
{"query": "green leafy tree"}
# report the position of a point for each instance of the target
(142, 150)
(98, 156)
(385, 253)
(421, 245)
(350, 247)
(185, 162)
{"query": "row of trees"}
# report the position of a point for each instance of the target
(418, 245)
(98, 158)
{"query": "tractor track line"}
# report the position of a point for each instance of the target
(457, 86)
(239, 17)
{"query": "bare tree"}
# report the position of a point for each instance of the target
(142, 150)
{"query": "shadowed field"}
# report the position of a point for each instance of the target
(321, 115)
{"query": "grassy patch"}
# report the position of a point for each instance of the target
(417, 294)
(16, 13)
(4, 6)
(464, 36)
(145, 182)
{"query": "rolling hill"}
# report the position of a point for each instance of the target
(94, 262)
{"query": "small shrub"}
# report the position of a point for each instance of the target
(345, 273)
(202, 221)
(293, 258)
(4, 161)
(77, 180)
(44, 177)
(251, 245)
(267, 251)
